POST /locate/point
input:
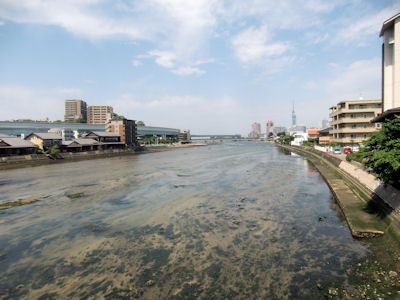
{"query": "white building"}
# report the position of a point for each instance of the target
(391, 63)
(67, 134)
(299, 138)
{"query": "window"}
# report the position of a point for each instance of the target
(365, 116)
(365, 136)
(353, 125)
(353, 116)
(379, 125)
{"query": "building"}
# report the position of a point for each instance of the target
(350, 120)
(75, 110)
(324, 137)
(297, 128)
(184, 136)
(269, 126)
(293, 117)
(313, 133)
(279, 129)
(391, 63)
(255, 130)
(324, 123)
(67, 134)
(107, 140)
(79, 145)
(44, 140)
(299, 138)
(99, 114)
(11, 145)
(126, 129)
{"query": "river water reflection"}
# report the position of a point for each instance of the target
(238, 220)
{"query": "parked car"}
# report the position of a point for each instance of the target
(337, 151)
(347, 150)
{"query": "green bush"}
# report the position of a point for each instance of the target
(355, 156)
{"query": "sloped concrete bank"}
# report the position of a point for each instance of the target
(349, 195)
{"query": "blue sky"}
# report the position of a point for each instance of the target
(211, 66)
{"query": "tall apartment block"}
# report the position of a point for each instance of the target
(268, 125)
(351, 120)
(99, 114)
(391, 63)
(74, 110)
(126, 129)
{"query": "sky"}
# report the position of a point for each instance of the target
(211, 66)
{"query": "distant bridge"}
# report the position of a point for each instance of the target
(216, 136)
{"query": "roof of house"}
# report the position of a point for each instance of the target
(15, 142)
(325, 130)
(80, 142)
(104, 134)
(313, 131)
(86, 142)
(388, 23)
(4, 135)
(46, 135)
(388, 114)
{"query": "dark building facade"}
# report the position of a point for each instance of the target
(126, 129)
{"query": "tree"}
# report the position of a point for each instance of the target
(80, 120)
(285, 139)
(118, 117)
(140, 123)
(382, 152)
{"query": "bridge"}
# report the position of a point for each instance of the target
(216, 136)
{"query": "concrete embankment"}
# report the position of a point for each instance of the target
(32, 160)
(350, 198)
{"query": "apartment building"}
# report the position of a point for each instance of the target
(75, 110)
(99, 114)
(391, 63)
(126, 129)
(350, 120)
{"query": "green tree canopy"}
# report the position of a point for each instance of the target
(140, 123)
(118, 117)
(382, 152)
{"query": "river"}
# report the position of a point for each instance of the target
(241, 220)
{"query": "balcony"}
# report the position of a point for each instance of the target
(351, 120)
(375, 110)
(360, 130)
(348, 140)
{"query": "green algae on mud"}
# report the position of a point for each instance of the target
(20, 202)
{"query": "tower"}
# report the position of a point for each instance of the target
(293, 117)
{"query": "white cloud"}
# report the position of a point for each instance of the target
(36, 103)
(188, 71)
(163, 58)
(1, 23)
(253, 45)
(136, 63)
(356, 32)
(363, 76)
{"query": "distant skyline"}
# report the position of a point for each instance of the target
(214, 67)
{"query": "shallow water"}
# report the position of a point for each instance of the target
(237, 220)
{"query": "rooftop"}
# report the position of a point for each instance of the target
(46, 135)
(390, 113)
(15, 142)
(388, 23)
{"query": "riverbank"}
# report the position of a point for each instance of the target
(377, 276)
(33, 160)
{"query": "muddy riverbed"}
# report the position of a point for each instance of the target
(237, 220)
